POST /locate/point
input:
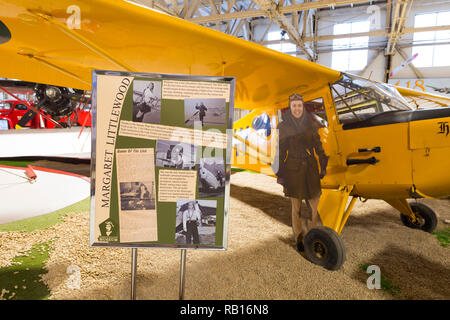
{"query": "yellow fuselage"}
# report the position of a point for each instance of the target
(413, 158)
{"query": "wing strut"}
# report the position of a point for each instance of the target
(53, 66)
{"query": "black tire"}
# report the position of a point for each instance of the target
(299, 245)
(324, 247)
(428, 219)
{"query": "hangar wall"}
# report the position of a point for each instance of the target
(422, 6)
(329, 17)
(326, 21)
(376, 70)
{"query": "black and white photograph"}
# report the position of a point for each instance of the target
(173, 154)
(147, 101)
(211, 177)
(206, 112)
(137, 195)
(196, 222)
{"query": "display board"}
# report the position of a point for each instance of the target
(160, 166)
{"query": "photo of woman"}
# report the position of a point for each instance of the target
(195, 222)
(192, 219)
(298, 170)
(147, 101)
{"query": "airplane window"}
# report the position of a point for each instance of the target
(5, 105)
(21, 107)
(262, 124)
(357, 99)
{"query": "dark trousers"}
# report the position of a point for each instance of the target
(192, 231)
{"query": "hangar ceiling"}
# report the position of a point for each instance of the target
(297, 18)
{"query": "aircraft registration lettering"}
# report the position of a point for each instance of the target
(443, 128)
(429, 133)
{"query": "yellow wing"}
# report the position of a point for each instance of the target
(117, 35)
(420, 99)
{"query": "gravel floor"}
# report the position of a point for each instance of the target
(260, 262)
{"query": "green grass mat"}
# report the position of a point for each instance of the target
(17, 163)
(443, 237)
(22, 280)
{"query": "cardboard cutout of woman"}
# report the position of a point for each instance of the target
(298, 170)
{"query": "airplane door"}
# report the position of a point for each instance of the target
(377, 159)
(373, 144)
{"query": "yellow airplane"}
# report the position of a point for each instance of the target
(380, 144)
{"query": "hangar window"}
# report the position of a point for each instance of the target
(350, 53)
(283, 45)
(357, 99)
(432, 46)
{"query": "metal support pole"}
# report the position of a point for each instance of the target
(133, 272)
(182, 272)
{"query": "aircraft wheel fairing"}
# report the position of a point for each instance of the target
(324, 247)
(427, 217)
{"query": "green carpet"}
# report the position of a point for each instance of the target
(22, 280)
(16, 163)
(443, 237)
